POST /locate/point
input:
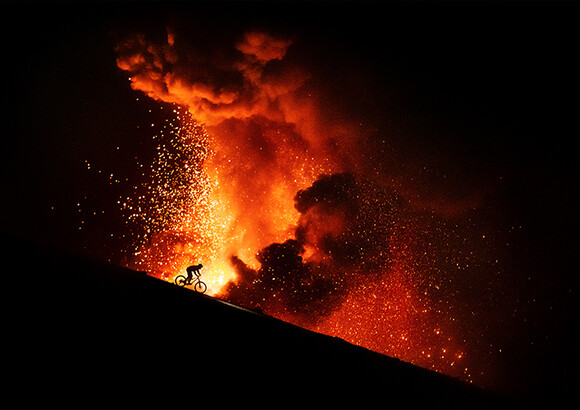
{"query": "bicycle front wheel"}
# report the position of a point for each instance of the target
(180, 280)
(200, 287)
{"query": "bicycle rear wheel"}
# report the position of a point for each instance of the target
(200, 287)
(180, 280)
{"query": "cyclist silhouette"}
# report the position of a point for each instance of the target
(191, 270)
(199, 285)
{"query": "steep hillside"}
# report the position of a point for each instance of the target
(81, 333)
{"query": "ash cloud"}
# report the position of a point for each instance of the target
(276, 105)
(241, 81)
(343, 232)
(252, 76)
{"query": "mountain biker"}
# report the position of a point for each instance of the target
(191, 270)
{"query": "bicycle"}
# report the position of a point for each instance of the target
(198, 284)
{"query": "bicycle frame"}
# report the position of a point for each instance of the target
(194, 280)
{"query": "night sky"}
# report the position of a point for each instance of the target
(470, 112)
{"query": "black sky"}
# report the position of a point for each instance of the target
(474, 90)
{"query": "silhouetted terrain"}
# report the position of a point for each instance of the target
(76, 332)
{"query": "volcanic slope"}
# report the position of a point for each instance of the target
(80, 333)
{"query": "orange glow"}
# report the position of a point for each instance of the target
(224, 184)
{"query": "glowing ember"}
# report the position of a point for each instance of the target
(392, 317)
(175, 208)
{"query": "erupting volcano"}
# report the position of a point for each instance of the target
(397, 175)
(258, 178)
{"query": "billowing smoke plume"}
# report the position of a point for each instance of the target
(214, 86)
(261, 75)
(269, 136)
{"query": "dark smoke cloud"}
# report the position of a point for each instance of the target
(343, 232)
(344, 219)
